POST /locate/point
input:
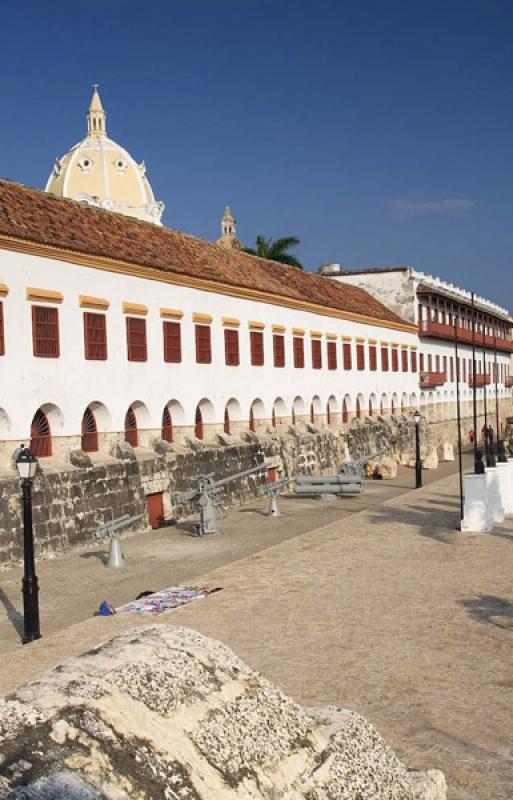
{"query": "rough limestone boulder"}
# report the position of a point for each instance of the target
(446, 452)
(386, 469)
(164, 712)
(430, 459)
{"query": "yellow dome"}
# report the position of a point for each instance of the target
(100, 172)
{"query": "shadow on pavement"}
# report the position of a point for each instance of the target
(13, 615)
(439, 525)
(490, 609)
(101, 555)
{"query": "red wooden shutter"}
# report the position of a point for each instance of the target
(95, 337)
(40, 435)
(136, 339)
(451, 366)
(89, 432)
(231, 347)
(404, 360)
(167, 426)
(422, 362)
(203, 345)
(172, 342)
(299, 352)
(414, 361)
(373, 358)
(360, 357)
(384, 359)
(256, 340)
(346, 347)
(316, 354)
(131, 434)
(2, 337)
(279, 350)
(395, 360)
(332, 355)
(45, 332)
(198, 423)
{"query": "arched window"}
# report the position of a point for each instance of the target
(328, 414)
(370, 408)
(40, 435)
(293, 415)
(89, 432)
(312, 413)
(273, 418)
(358, 408)
(131, 435)
(251, 420)
(167, 426)
(381, 408)
(226, 426)
(198, 424)
(345, 412)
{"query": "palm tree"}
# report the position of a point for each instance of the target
(276, 250)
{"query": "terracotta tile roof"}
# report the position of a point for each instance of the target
(36, 216)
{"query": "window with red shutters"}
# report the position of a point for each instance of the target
(360, 357)
(445, 367)
(89, 432)
(421, 362)
(131, 434)
(430, 362)
(167, 426)
(231, 347)
(279, 350)
(256, 342)
(299, 351)
(2, 337)
(316, 354)
(395, 360)
(384, 359)
(437, 362)
(136, 339)
(451, 365)
(95, 337)
(413, 360)
(332, 355)
(373, 358)
(404, 360)
(203, 344)
(346, 349)
(45, 331)
(40, 435)
(172, 332)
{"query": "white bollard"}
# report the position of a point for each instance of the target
(476, 518)
(493, 495)
(505, 475)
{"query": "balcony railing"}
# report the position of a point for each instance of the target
(481, 380)
(438, 330)
(428, 380)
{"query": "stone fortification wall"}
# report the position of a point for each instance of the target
(70, 503)
(166, 712)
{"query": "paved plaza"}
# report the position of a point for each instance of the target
(376, 604)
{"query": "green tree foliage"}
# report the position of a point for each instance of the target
(276, 250)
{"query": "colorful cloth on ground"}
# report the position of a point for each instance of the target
(168, 599)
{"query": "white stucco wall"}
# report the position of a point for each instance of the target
(71, 383)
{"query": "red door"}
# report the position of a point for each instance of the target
(155, 509)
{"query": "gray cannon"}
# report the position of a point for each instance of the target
(272, 490)
(320, 485)
(207, 497)
(116, 558)
(357, 468)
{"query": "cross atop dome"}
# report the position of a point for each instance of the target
(96, 116)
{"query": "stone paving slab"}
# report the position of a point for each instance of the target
(390, 612)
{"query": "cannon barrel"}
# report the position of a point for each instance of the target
(363, 461)
(354, 487)
(237, 475)
(314, 480)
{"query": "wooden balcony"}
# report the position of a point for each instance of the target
(481, 380)
(437, 330)
(430, 380)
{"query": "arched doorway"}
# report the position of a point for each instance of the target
(167, 425)
(40, 435)
(131, 434)
(226, 425)
(89, 432)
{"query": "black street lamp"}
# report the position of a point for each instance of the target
(418, 462)
(26, 465)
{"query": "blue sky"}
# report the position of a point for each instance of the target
(379, 133)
